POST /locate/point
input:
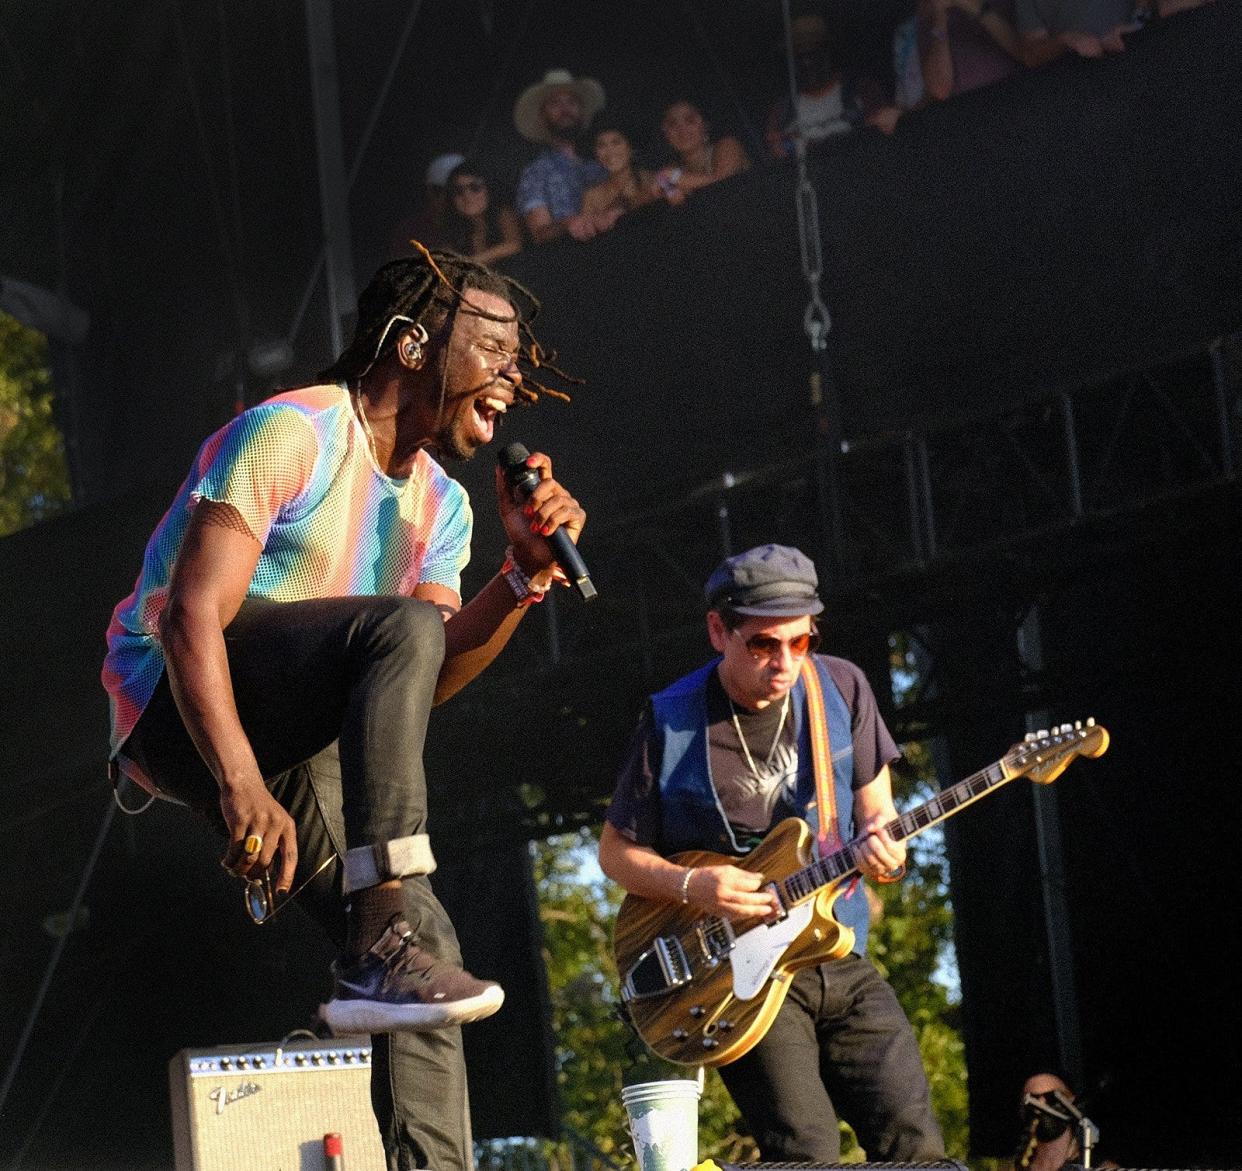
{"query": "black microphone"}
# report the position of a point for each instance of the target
(523, 481)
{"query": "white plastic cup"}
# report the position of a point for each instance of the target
(664, 1123)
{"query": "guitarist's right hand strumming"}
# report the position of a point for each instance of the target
(716, 890)
(728, 891)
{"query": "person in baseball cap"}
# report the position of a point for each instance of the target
(439, 169)
(425, 223)
(554, 112)
(719, 763)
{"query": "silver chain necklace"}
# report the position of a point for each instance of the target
(780, 727)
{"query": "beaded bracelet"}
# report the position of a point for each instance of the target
(524, 590)
(685, 885)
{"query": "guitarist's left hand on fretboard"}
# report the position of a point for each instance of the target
(878, 855)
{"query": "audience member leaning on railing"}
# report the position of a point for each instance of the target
(701, 160)
(963, 45)
(628, 185)
(477, 223)
(830, 100)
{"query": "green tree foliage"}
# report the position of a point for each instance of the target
(911, 943)
(597, 1053)
(34, 479)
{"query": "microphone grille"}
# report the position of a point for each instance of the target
(513, 456)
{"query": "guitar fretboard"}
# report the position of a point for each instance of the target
(841, 863)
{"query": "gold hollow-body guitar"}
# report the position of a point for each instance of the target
(703, 990)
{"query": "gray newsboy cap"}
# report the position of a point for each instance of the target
(771, 581)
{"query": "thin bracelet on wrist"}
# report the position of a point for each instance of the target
(685, 885)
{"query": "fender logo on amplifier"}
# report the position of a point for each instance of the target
(222, 1097)
(296, 1091)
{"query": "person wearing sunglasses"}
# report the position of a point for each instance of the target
(296, 617)
(719, 758)
(476, 224)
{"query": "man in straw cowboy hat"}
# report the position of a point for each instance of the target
(554, 112)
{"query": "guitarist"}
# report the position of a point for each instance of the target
(720, 757)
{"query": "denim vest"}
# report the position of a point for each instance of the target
(690, 811)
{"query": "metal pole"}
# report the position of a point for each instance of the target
(1220, 383)
(912, 497)
(1052, 879)
(1070, 432)
(929, 508)
(333, 187)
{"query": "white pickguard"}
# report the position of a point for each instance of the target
(756, 952)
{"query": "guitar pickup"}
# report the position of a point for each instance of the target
(660, 969)
(715, 938)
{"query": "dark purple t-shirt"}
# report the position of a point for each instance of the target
(754, 798)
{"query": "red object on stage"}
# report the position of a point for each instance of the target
(333, 1152)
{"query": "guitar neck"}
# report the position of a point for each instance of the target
(842, 863)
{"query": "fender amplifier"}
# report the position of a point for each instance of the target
(266, 1107)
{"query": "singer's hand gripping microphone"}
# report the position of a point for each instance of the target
(523, 481)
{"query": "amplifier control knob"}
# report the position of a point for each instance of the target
(333, 1058)
(226, 1063)
(317, 1059)
(349, 1055)
(300, 1059)
(260, 1062)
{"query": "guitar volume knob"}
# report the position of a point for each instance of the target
(710, 1043)
(697, 1010)
(680, 1034)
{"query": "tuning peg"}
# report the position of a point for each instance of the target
(1067, 727)
(1029, 738)
(1042, 734)
(1091, 721)
(1078, 725)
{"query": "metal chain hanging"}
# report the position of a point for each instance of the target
(816, 320)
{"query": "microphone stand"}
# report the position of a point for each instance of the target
(1088, 1132)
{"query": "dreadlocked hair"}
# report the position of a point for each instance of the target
(428, 288)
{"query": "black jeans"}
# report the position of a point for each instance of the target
(334, 695)
(840, 1046)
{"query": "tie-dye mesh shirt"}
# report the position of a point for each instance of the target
(299, 470)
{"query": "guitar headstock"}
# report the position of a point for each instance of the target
(1045, 755)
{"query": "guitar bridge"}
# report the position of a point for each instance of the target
(660, 969)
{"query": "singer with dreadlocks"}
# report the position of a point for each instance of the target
(296, 617)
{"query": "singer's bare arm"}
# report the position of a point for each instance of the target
(209, 583)
(477, 632)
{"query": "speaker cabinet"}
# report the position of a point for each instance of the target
(267, 1107)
